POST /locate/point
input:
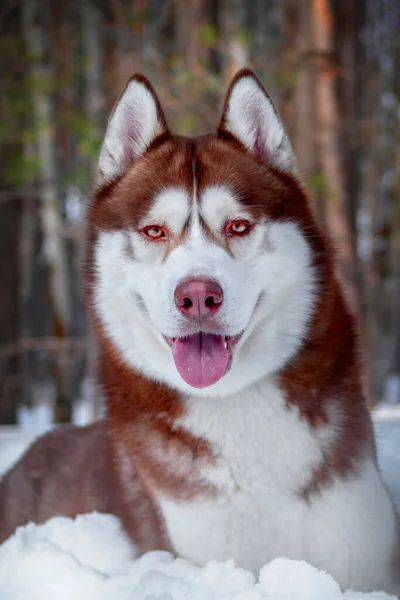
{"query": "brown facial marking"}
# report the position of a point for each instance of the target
(143, 418)
(178, 240)
(325, 370)
(124, 203)
(139, 451)
(215, 237)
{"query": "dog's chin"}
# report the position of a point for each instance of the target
(202, 358)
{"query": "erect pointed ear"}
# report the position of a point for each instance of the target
(136, 121)
(251, 117)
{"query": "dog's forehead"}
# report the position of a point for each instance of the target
(216, 176)
(201, 171)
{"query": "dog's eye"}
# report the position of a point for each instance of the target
(237, 228)
(155, 232)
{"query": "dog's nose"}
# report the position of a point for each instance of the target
(198, 298)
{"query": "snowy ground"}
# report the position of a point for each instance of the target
(91, 559)
(387, 431)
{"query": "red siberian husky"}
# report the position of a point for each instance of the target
(236, 424)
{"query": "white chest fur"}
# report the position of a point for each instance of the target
(266, 456)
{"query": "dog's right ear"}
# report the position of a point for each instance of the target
(250, 117)
(136, 121)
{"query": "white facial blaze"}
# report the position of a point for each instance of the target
(170, 208)
(218, 205)
(251, 118)
(131, 129)
(266, 453)
(268, 288)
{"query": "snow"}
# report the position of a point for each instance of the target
(392, 389)
(35, 418)
(13, 443)
(387, 432)
(90, 558)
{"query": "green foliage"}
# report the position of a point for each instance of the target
(20, 169)
(209, 35)
(15, 111)
(81, 177)
(77, 122)
(82, 126)
(89, 146)
(12, 132)
(286, 80)
(17, 103)
(210, 82)
(316, 183)
(187, 123)
(243, 36)
(139, 18)
(207, 81)
(183, 77)
(43, 84)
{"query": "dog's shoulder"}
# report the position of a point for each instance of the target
(64, 472)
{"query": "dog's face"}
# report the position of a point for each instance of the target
(204, 274)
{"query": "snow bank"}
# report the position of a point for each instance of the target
(387, 432)
(90, 558)
(13, 443)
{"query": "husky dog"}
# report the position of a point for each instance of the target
(236, 423)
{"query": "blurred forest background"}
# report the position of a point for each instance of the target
(332, 68)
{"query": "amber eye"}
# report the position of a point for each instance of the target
(155, 232)
(237, 228)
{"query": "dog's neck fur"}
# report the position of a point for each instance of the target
(302, 428)
(321, 383)
(272, 454)
(279, 450)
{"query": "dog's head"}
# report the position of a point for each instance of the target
(204, 250)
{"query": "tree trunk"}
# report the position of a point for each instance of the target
(10, 381)
(10, 216)
(35, 18)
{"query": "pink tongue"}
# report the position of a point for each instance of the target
(201, 359)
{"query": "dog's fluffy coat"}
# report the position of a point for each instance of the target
(277, 458)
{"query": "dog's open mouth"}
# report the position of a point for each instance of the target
(202, 359)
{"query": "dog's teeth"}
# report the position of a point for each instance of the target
(225, 344)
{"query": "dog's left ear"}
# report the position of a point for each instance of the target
(135, 122)
(251, 117)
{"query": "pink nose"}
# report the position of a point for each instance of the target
(198, 298)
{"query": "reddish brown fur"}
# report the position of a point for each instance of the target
(142, 415)
(81, 479)
(327, 369)
(324, 375)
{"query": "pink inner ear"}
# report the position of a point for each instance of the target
(131, 135)
(260, 147)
